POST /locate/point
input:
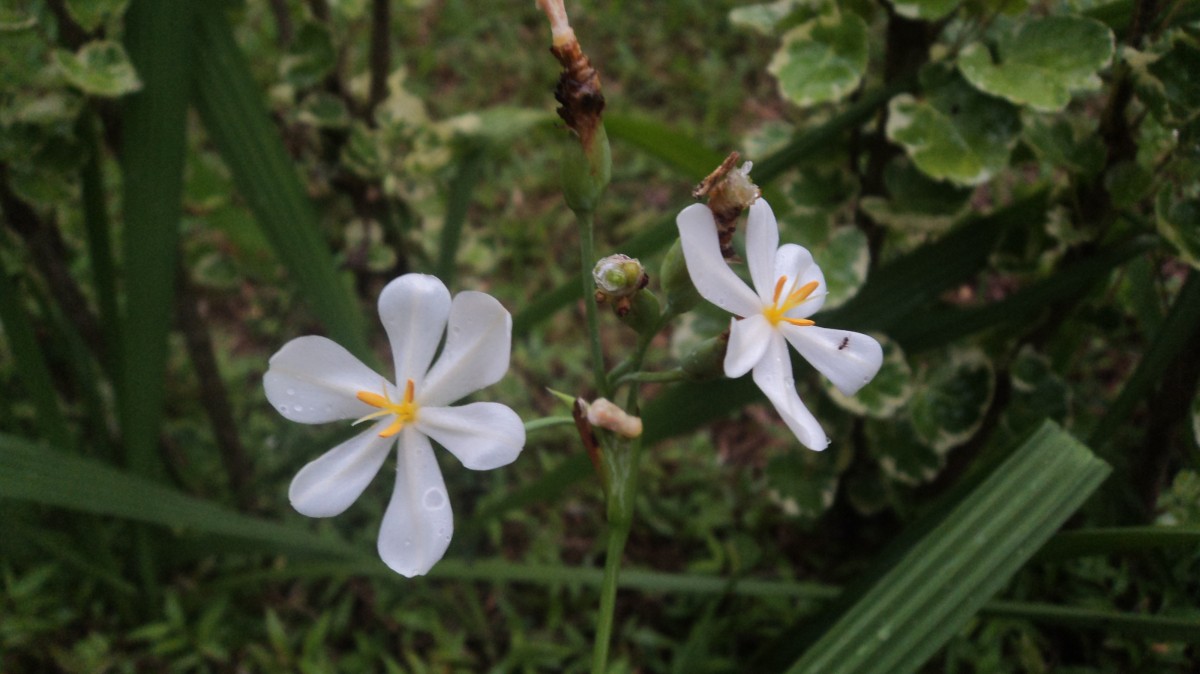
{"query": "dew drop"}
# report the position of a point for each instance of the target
(291, 391)
(298, 408)
(433, 499)
(408, 542)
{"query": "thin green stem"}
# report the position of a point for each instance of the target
(666, 376)
(608, 596)
(587, 258)
(547, 422)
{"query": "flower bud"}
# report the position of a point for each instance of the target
(729, 191)
(707, 360)
(619, 276)
(676, 283)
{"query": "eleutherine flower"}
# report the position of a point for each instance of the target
(788, 288)
(313, 380)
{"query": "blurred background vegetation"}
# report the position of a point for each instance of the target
(1006, 192)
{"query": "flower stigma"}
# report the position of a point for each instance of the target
(405, 411)
(775, 312)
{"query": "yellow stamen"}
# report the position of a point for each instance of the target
(405, 411)
(775, 312)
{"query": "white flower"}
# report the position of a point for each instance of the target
(312, 380)
(788, 288)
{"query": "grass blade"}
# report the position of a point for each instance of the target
(929, 595)
(157, 35)
(37, 474)
(470, 170)
(237, 119)
(678, 150)
(30, 364)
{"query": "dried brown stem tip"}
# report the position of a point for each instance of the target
(729, 192)
(578, 91)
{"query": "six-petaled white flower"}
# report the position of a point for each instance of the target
(788, 288)
(313, 380)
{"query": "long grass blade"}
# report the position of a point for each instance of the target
(910, 612)
(30, 363)
(38, 474)
(157, 35)
(236, 117)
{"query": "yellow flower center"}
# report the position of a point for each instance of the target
(782, 305)
(405, 411)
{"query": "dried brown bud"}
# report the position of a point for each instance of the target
(578, 91)
(729, 192)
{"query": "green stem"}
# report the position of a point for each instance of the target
(547, 422)
(608, 596)
(666, 376)
(587, 258)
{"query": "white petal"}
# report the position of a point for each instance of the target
(313, 380)
(773, 375)
(334, 480)
(714, 280)
(796, 263)
(477, 350)
(762, 238)
(748, 340)
(848, 359)
(418, 523)
(482, 435)
(413, 309)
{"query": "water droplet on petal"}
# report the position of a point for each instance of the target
(291, 391)
(433, 499)
(408, 542)
(298, 408)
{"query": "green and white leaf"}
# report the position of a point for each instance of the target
(888, 391)
(802, 484)
(100, 68)
(955, 133)
(1060, 144)
(954, 393)
(821, 60)
(92, 14)
(1042, 62)
(900, 452)
(500, 124)
(1165, 79)
(928, 10)
(13, 20)
(1037, 393)
(915, 202)
(311, 57)
(844, 258)
(1179, 223)
(766, 18)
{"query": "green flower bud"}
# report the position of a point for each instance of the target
(586, 171)
(619, 276)
(707, 360)
(673, 275)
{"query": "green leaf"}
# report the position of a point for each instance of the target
(92, 14)
(952, 397)
(39, 474)
(30, 362)
(888, 391)
(955, 133)
(310, 58)
(821, 60)
(154, 125)
(233, 112)
(1179, 223)
(916, 203)
(802, 484)
(686, 154)
(1042, 62)
(901, 454)
(13, 20)
(766, 18)
(100, 68)
(1060, 144)
(947, 576)
(1166, 81)
(928, 10)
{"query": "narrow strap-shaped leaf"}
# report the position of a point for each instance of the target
(1109, 540)
(680, 151)
(157, 35)
(30, 364)
(929, 595)
(39, 474)
(470, 170)
(99, 243)
(235, 115)
(1178, 332)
